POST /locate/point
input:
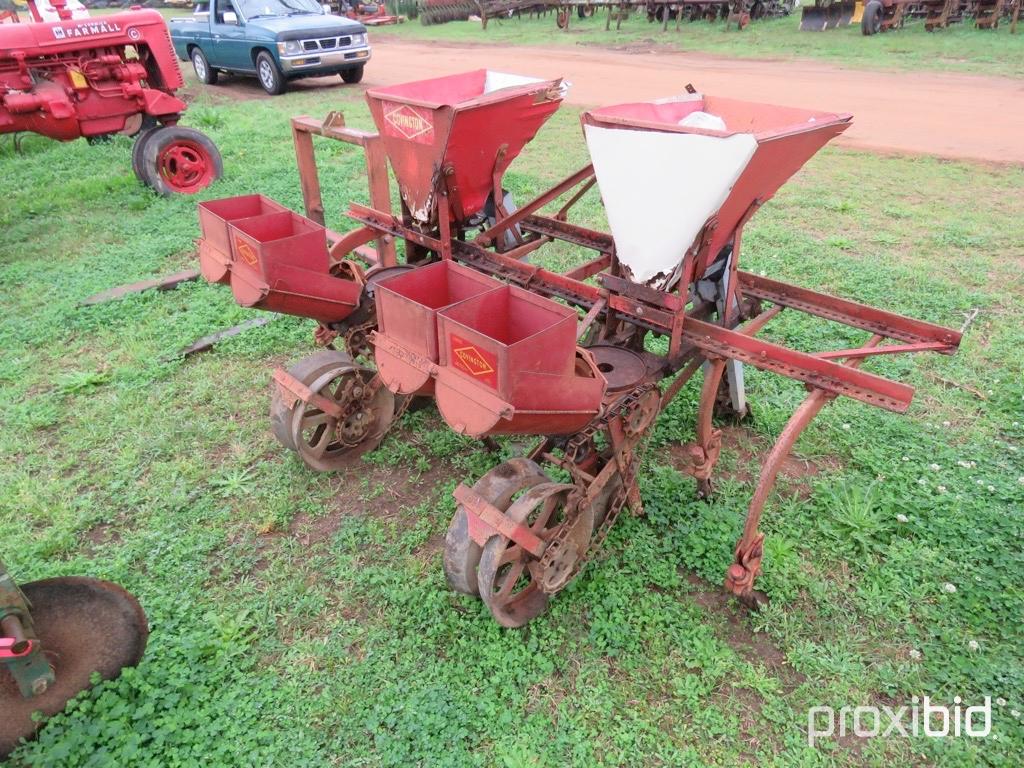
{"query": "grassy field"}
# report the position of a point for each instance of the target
(960, 48)
(303, 620)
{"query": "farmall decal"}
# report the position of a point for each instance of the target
(476, 362)
(403, 121)
(86, 29)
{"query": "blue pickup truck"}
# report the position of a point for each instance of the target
(275, 40)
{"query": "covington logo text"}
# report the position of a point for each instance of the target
(86, 30)
(932, 720)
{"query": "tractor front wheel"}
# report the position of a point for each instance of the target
(137, 149)
(174, 159)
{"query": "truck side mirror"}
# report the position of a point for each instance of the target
(327, 9)
(230, 17)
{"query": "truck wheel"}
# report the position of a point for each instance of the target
(352, 76)
(206, 75)
(178, 159)
(871, 22)
(269, 75)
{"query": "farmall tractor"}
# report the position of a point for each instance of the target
(66, 76)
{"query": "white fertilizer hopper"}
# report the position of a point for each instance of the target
(666, 168)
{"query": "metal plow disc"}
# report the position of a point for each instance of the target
(84, 625)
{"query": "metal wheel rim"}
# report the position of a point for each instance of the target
(307, 370)
(328, 452)
(199, 66)
(185, 166)
(266, 75)
(499, 486)
(508, 577)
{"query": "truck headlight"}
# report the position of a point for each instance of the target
(289, 48)
(359, 39)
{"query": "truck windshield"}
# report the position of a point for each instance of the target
(252, 9)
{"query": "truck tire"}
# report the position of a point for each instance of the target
(180, 160)
(206, 75)
(269, 75)
(871, 22)
(352, 76)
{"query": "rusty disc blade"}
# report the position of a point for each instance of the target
(85, 625)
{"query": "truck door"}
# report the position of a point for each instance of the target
(230, 49)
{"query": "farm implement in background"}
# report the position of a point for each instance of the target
(65, 75)
(739, 11)
(54, 635)
(368, 14)
(584, 359)
(876, 16)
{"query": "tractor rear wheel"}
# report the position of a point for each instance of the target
(177, 159)
(871, 22)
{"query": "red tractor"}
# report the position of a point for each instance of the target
(65, 75)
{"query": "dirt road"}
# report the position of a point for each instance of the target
(948, 115)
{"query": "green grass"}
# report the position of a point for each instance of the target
(303, 619)
(960, 48)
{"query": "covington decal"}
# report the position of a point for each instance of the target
(408, 122)
(478, 363)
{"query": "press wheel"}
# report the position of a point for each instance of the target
(326, 443)
(84, 625)
(499, 486)
(508, 577)
(307, 370)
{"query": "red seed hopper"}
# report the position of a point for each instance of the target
(273, 259)
(505, 360)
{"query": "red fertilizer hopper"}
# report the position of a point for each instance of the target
(456, 135)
